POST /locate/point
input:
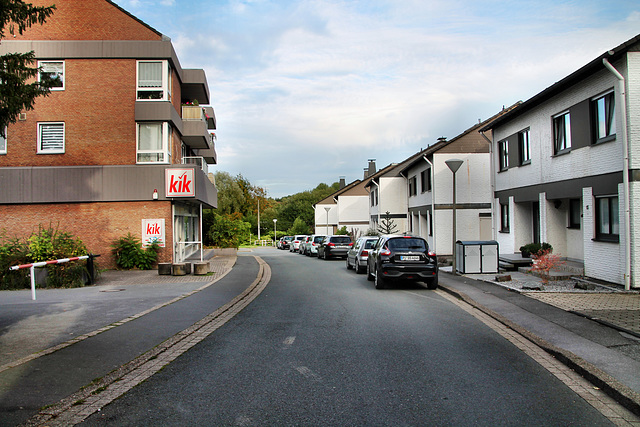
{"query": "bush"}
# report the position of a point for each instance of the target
(130, 254)
(44, 245)
(535, 248)
(228, 230)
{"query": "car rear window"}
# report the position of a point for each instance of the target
(369, 244)
(318, 239)
(407, 244)
(341, 239)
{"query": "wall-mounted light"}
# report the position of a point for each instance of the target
(155, 194)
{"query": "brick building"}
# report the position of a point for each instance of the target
(567, 168)
(122, 144)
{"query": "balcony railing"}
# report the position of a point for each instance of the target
(193, 112)
(196, 160)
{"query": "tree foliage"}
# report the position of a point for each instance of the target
(16, 94)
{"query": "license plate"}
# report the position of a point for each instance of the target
(409, 258)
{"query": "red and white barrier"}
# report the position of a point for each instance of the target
(32, 266)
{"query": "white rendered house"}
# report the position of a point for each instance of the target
(567, 168)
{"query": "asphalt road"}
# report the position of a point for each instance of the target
(321, 346)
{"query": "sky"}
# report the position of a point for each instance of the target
(305, 92)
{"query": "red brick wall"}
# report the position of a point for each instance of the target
(98, 109)
(87, 20)
(96, 224)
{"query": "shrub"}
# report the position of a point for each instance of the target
(130, 254)
(535, 248)
(545, 261)
(228, 230)
(44, 245)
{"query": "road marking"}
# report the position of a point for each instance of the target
(307, 373)
(600, 401)
(289, 341)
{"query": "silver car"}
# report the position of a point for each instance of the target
(311, 246)
(359, 252)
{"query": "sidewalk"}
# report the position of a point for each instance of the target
(595, 333)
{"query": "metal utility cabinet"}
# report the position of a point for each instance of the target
(477, 256)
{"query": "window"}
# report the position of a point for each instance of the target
(154, 143)
(604, 112)
(154, 80)
(51, 138)
(413, 182)
(607, 219)
(374, 197)
(425, 180)
(562, 133)
(504, 218)
(54, 71)
(575, 213)
(503, 153)
(525, 148)
(3, 143)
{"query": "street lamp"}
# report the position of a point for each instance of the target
(327, 209)
(454, 165)
(275, 232)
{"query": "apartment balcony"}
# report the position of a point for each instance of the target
(196, 123)
(198, 161)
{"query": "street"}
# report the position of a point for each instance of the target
(321, 346)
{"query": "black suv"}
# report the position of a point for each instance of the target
(406, 258)
(332, 246)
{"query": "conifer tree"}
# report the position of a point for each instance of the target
(16, 68)
(387, 225)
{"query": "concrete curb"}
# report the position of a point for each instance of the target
(612, 387)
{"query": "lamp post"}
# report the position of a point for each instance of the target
(327, 210)
(454, 165)
(275, 232)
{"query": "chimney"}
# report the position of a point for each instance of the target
(372, 167)
(366, 173)
(343, 183)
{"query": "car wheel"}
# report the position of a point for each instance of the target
(432, 283)
(348, 265)
(358, 267)
(369, 275)
(380, 282)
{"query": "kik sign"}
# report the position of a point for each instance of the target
(153, 231)
(180, 183)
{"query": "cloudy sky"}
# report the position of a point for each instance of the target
(306, 91)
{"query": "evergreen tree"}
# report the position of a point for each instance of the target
(387, 225)
(16, 94)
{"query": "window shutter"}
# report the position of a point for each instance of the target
(52, 137)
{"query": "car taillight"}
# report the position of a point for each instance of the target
(431, 253)
(350, 244)
(331, 244)
(385, 252)
(364, 253)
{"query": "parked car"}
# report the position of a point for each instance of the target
(402, 258)
(302, 250)
(295, 243)
(334, 246)
(311, 246)
(286, 242)
(359, 252)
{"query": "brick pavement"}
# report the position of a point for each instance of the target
(620, 309)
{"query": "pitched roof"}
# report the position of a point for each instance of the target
(330, 199)
(573, 78)
(441, 144)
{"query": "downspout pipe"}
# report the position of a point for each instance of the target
(625, 171)
(493, 185)
(433, 202)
